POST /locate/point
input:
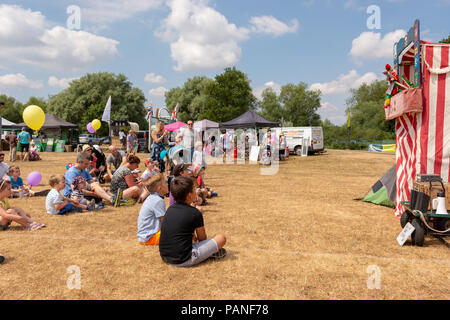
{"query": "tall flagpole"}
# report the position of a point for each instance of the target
(107, 117)
(348, 126)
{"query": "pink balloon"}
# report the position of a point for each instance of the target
(89, 128)
(34, 178)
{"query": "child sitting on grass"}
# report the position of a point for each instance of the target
(183, 241)
(201, 199)
(182, 170)
(152, 168)
(152, 211)
(55, 203)
(9, 214)
(17, 187)
(78, 184)
(207, 192)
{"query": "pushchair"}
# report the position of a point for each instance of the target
(98, 153)
(178, 155)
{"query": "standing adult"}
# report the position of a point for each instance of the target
(24, 139)
(11, 138)
(116, 158)
(159, 136)
(187, 135)
(283, 145)
(124, 182)
(123, 138)
(4, 168)
(131, 142)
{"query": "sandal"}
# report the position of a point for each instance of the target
(117, 198)
(36, 226)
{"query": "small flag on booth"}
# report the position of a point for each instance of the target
(174, 113)
(149, 112)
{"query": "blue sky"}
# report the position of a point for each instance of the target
(159, 44)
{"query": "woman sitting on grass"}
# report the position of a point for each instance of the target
(9, 214)
(123, 183)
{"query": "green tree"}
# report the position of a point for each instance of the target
(91, 91)
(91, 113)
(295, 106)
(445, 40)
(228, 96)
(270, 106)
(300, 105)
(367, 112)
(12, 110)
(40, 102)
(191, 98)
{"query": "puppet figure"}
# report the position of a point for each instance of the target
(394, 86)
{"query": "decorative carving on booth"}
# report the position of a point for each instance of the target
(407, 101)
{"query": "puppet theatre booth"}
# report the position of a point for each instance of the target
(421, 112)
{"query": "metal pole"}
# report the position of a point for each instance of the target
(109, 129)
(149, 132)
(1, 133)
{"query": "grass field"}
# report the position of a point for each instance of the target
(297, 234)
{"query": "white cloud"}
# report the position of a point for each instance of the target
(271, 25)
(158, 92)
(105, 12)
(26, 39)
(332, 112)
(60, 83)
(344, 83)
(327, 106)
(19, 80)
(154, 78)
(257, 92)
(200, 37)
(370, 45)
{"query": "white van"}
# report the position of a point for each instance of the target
(295, 135)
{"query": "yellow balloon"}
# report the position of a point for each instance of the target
(96, 124)
(34, 117)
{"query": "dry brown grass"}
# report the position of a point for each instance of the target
(294, 235)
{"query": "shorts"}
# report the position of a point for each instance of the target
(153, 241)
(69, 208)
(24, 147)
(200, 252)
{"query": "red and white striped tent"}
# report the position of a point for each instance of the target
(423, 139)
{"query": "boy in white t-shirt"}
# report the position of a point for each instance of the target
(55, 202)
